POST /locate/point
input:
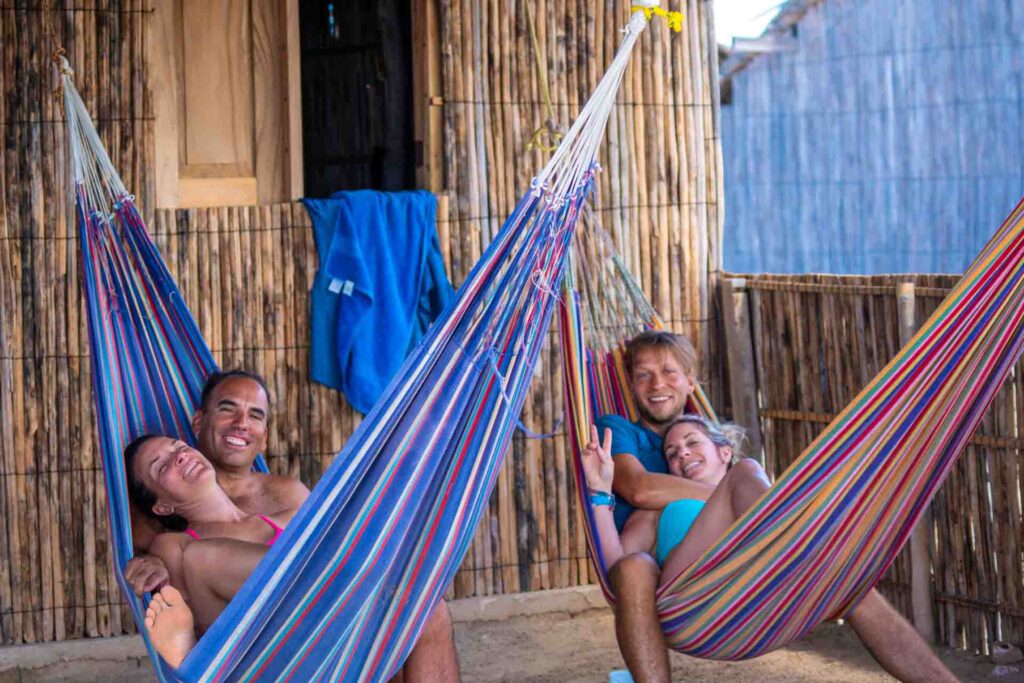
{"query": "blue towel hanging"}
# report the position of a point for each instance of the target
(380, 284)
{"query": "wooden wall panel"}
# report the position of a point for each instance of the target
(218, 92)
(228, 120)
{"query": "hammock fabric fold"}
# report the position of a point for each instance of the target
(835, 520)
(344, 592)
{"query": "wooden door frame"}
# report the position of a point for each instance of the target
(428, 130)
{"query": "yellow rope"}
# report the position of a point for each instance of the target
(549, 127)
(674, 19)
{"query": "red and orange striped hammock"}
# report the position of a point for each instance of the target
(835, 520)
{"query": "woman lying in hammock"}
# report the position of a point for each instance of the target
(696, 449)
(213, 546)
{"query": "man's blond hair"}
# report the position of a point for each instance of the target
(678, 345)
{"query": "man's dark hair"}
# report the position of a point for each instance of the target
(139, 493)
(218, 377)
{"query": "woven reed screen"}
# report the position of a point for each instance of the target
(657, 197)
(245, 273)
(55, 578)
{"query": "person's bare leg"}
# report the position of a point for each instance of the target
(634, 579)
(640, 532)
(894, 643)
(214, 569)
(169, 624)
(433, 659)
(744, 484)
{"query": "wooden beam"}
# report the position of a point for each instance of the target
(296, 187)
(740, 357)
(161, 52)
(269, 66)
(766, 43)
(920, 555)
(200, 192)
(427, 97)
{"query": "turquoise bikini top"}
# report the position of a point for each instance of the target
(676, 519)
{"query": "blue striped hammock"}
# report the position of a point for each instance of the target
(343, 594)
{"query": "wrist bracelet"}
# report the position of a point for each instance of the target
(602, 498)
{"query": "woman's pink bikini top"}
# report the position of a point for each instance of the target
(276, 528)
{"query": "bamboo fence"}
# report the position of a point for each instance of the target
(816, 341)
(55, 581)
(245, 273)
(657, 197)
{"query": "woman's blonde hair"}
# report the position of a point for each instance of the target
(720, 433)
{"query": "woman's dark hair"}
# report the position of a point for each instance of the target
(140, 495)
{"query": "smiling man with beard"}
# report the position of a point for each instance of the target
(231, 428)
(662, 369)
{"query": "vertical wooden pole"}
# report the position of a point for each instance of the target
(920, 557)
(740, 354)
(427, 99)
(293, 94)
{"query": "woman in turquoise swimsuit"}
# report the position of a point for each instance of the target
(211, 546)
(695, 449)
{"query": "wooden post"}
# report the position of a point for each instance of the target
(293, 95)
(427, 99)
(740, 354)
(920, 557)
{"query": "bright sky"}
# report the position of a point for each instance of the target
(742, 18)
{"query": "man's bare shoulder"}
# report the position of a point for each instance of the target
(286, 492)
(289, 485)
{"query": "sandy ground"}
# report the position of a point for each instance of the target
(557, 647)
(561, 647)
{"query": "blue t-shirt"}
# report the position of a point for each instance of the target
(638, 441)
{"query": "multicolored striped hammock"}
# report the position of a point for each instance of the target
(345, 591)
(835, 520)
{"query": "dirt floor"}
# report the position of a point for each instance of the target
(557, 647)
(560, 647)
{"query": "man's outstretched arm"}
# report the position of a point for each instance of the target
(894, 643)
(650, 490)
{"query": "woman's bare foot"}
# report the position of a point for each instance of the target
(169, 625)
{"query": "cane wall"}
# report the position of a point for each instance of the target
(657, 196)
